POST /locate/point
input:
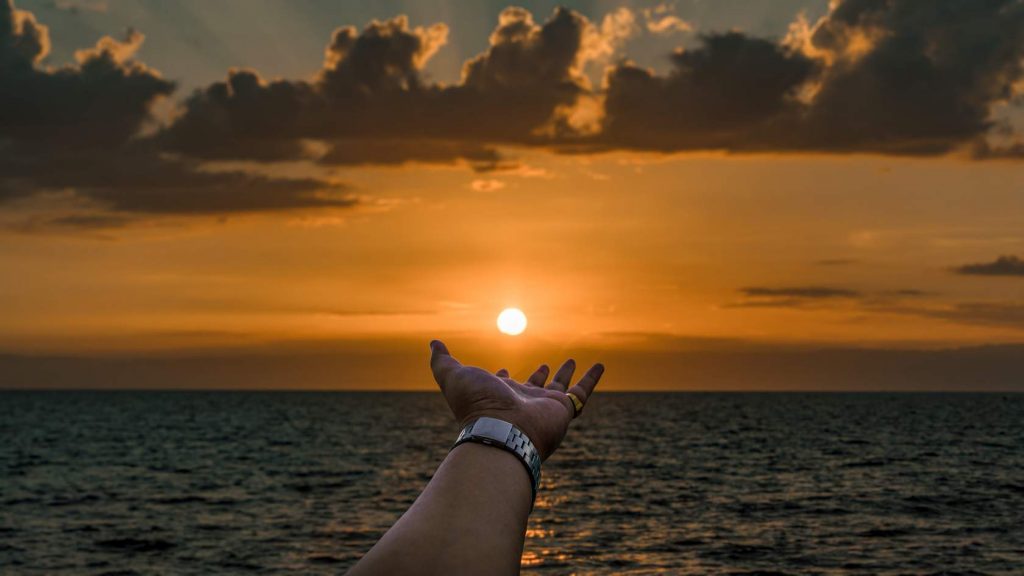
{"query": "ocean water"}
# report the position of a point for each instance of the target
(261, 483)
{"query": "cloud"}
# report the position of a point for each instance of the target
(95, 225)
(379, 312)
(141, 182)
(809, 292)
(768, 303)
(913, 77)
(486, 185)
(370, 95)
(837, 262)
(91, 221)
(790, 296)
(911, 302)
(905, 302)
(898, 77)
(996, 314)
(725, 93)
(101, 100)
(909, 293)
(1002, 266)
(73, 131)
(902, 77)
(22, 39)
(660, 20)
(668, 24)
(602, 42)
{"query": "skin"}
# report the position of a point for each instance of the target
(471, 517)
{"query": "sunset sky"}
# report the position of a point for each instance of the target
(197, 178)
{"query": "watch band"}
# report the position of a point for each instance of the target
(502, 434)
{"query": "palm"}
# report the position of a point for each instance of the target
(541, 411)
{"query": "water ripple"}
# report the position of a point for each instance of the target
(752, 484)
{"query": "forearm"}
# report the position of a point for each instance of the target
(470, 519)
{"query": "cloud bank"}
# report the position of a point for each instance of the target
(901, 77)
(370, 103)
(1002, 266)
(903, 302)
(73, 131)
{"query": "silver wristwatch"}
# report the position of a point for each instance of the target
(501, 434)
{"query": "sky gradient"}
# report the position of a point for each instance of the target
(716, 195)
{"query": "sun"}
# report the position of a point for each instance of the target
(512, 321)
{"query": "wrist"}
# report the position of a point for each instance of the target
(505, 436)
(530, 426)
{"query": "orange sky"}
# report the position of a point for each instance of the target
(715, 233)
(617, 243)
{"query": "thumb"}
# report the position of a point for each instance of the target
(441, 362)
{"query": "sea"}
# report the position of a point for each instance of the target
(122, 483)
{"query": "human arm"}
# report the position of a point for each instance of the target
(471, 517)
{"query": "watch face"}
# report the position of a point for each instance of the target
(493, 428)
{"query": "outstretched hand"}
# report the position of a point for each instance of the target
(542, 411)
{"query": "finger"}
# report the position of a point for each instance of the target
(539, 376)
(503, 373)
(441, 362)
(564, 375)
(585, 387)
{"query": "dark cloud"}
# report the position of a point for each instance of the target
(73, 130)
(837, 262)
(370, 103)
(893, 77)
(926, 78)
(722, 94)
(139, 181)
(790, 296)
(804, 296)
(768, 303)
(983, 150)
(380, 312)
(102, 100)
(909, 293)
(996, 314)
(515, 89)
(904, 302)
(808, 292)
(90, 221)
(1002, 266)
(95, 225)
(896, 77)
(23, 42)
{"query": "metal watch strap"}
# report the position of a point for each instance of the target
(502, 434)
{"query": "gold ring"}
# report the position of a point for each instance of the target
(577, 405)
